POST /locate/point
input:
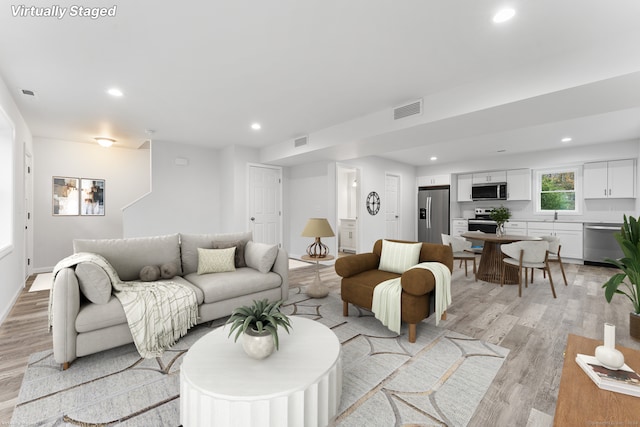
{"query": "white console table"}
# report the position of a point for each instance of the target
(298, 385)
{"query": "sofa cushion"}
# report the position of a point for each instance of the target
(216, 260)
(150, 273)
(243, 281)
(168, 270)
(97, 316)
(189, 244)
(128, 256)
(260, 256)
(238, 244)
(399, 257)
(94, 282)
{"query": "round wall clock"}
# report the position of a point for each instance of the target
(373, 203)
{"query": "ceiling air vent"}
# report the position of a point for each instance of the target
(300, 141)
(407, 110)
(28, 92)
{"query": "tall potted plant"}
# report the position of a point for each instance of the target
(627, 282)
(259, 324)
(500, 216)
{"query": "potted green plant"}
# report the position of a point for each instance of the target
(629, 264)
(259, 323)
(500, 216)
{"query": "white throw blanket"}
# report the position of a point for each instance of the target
(158, 313)
(386, 305)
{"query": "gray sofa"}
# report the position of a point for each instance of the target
(82, 327)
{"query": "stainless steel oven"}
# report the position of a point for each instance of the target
(482, 221)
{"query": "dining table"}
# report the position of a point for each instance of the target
(490, 266)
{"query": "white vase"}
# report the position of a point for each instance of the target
(607, 354)
(257, 345)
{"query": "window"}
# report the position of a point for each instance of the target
(557, 190)
(6, 185)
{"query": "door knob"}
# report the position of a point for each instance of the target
(253, 218)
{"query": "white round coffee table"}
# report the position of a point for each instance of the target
(298, 385)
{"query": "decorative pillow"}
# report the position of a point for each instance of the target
(239, 245)
(94, 282)
(150, 273)
(168, 270)
(260, 256)
(399, 257)
(216, 260)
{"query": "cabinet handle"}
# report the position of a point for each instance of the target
(605, 191)
(609, 191)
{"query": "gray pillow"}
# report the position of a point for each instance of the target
(150, 273)
(239, 245)
(260, 256)
(94, 282)
(168, 270)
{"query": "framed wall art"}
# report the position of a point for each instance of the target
(92, 196)
(66, 196)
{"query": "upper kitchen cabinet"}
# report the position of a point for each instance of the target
(493, 176)
(612, 179)
(426, 181)
(464, 187)
(519, 184)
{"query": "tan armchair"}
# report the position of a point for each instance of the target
(360, 275)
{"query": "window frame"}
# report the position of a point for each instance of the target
(577, 190)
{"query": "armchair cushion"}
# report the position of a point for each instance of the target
(355, 264)
(399, 257)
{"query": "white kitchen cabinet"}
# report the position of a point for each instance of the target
(570, 234)
(516, 228)
(612, 179)
(464, 187)
(459, 226)
(425, 181)
(519, 184)
(489, 177)
(348, 235)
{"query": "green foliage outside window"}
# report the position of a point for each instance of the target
(558, 192)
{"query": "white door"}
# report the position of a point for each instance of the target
(265, 204)
(392, 206)
(28, 220)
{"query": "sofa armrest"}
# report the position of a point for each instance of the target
(281, 266)
(417, 281)
(66, 305)
(354, 264)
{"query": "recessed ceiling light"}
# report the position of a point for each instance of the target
(256, 126)
(503, 15)
(434, 158)
(566, 139)
(114, 91)
(105, 142)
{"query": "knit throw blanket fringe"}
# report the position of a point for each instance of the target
(158, 313)
(386, 305)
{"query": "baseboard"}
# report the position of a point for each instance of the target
(6, 312)
(42, 270)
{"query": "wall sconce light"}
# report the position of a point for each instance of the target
(105, 142)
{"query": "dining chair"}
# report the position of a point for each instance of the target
(461, 251)
(554, 253)
(526, 255)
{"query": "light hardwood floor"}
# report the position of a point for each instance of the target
(534, 328)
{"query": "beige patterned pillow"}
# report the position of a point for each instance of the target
(216, 260)
(399, 257)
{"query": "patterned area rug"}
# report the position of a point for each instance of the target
(387, 381)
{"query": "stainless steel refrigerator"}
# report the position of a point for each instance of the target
(433, 213)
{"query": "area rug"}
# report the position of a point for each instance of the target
(42, 282)
(387, 381)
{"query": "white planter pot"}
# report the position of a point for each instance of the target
(257, 346)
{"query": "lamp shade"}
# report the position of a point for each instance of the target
(317, 227)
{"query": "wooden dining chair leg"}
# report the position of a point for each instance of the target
(520, 280)
(562, 269)
(475, 271)
(553, 290)
(465, 268)
(526, 277)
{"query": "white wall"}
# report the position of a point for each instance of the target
(311, 192)
(126, 175)
(592, 210)
(184, 198)
(12, 264)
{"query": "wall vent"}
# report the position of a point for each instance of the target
(28, 92)
(300, 141)
(412, 109)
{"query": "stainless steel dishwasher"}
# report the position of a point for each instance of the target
(600, 243)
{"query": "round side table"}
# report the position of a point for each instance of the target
(317, 289)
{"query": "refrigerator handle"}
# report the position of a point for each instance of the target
(429, 212)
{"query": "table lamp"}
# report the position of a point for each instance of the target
(317, 227)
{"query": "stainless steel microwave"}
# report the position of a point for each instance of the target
(493, 191)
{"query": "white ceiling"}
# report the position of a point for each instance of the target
(201, 72)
